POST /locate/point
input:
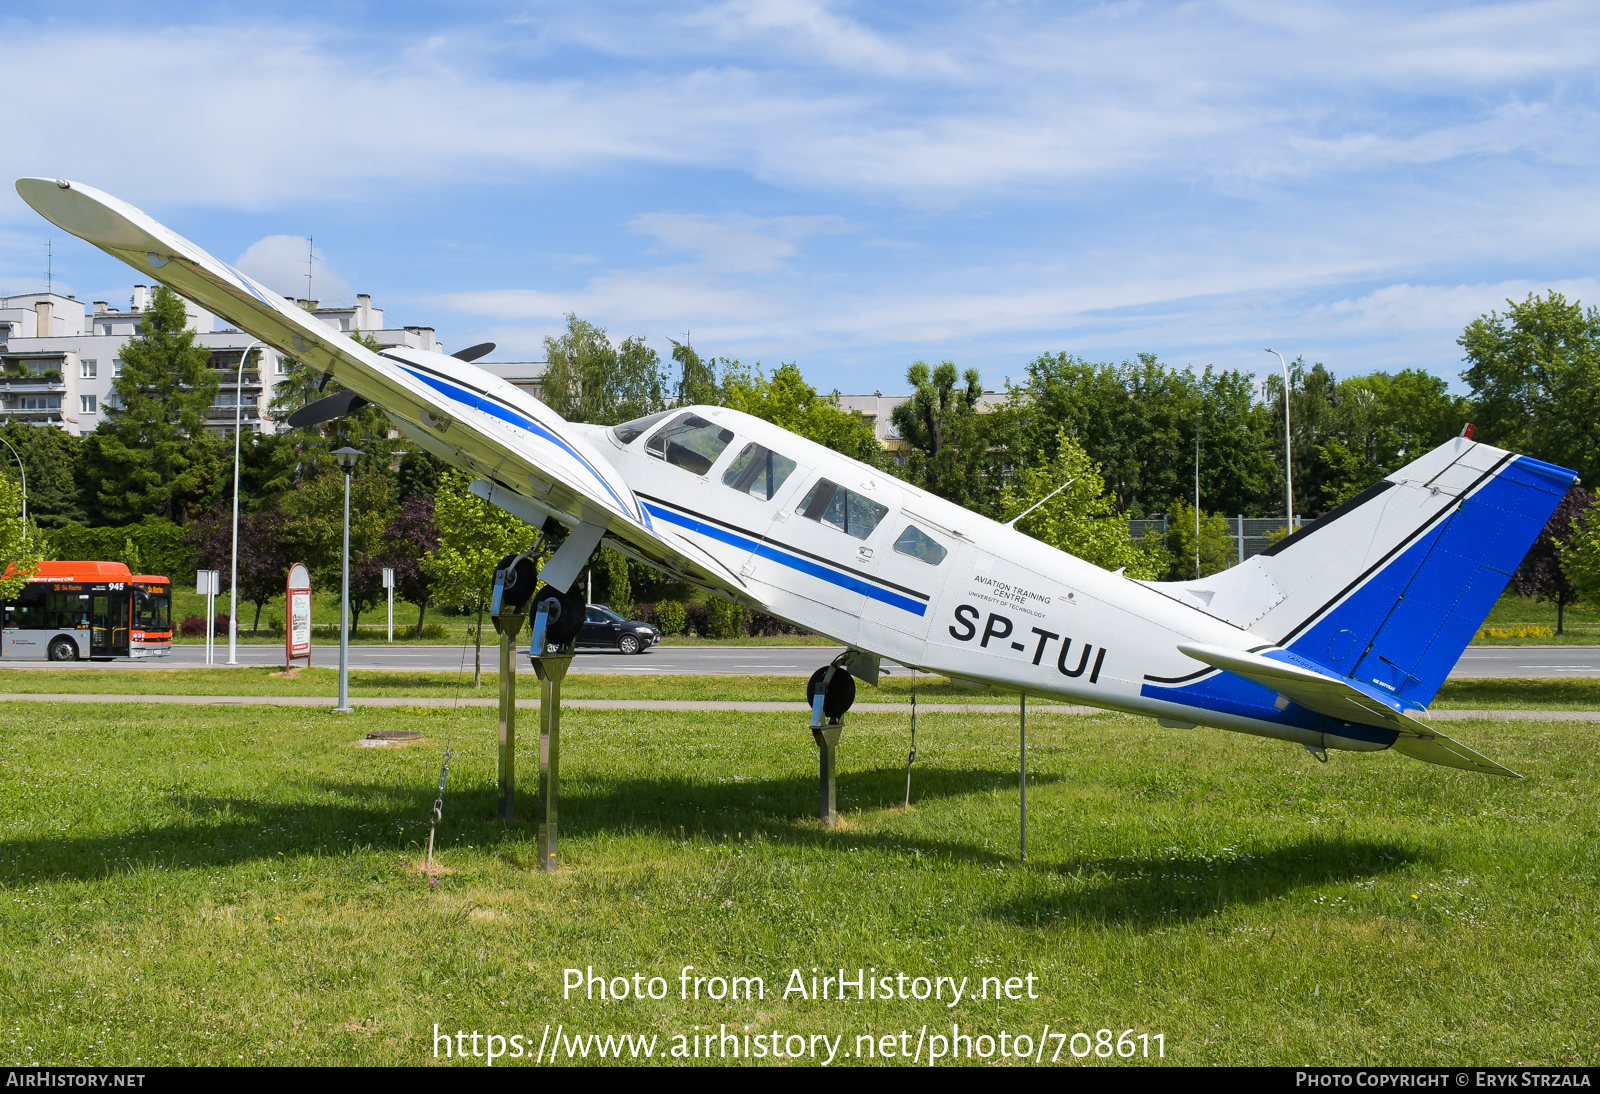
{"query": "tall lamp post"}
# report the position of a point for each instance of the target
(233, 572)
(1288, 461)
(347, 458)
(24, 473)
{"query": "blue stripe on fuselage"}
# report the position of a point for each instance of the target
(511, 417)
(805, 566)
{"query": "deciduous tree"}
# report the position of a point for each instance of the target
(1081, 519)
(1534, 374)
(473, 537)
(590, 380)
(1542, 575)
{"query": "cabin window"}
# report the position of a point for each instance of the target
(628, 432)
(919, 545)
(852, 513)
(690, 442)
(758, 471)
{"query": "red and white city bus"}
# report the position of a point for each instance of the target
(97, 610)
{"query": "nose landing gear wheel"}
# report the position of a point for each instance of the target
(628, 644)
(63, 649)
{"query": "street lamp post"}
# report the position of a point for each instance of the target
(233, 572)
(1288, 486)
(347, 458)
(24, 472)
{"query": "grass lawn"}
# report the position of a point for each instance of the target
(1581, 625)
(1473, 694)
(180, 887)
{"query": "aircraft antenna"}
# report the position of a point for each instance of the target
(1012, 523)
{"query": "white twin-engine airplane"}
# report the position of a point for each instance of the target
(1337, 637)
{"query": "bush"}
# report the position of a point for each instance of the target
(697, 619)
(670, 617)
(159, 543)
(645, 613)
(219, 625)
(770, 626)
(193, 627)
(726, 620)
(275, 626)
(1532, 630)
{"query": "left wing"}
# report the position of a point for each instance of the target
(1350, 702)
(517, 443)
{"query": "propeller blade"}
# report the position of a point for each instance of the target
(326, 409)
(472, 353)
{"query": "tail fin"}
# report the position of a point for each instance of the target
(1388, 588)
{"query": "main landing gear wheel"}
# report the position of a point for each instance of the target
(564, 625)
(628, 643)
(841, 692)
(63, 649)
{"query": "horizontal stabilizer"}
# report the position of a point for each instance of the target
(1439, 749)
(1313, 690)
(1348, 702)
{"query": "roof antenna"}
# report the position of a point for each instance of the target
(1012, 523)
(310, 250)
(49, 269)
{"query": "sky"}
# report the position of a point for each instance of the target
(850, 186)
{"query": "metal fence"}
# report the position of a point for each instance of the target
(1250, 534)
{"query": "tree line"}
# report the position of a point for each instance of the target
(1124, 435)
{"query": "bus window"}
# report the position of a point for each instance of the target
(64, 611)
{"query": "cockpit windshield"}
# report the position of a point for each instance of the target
(628, 432)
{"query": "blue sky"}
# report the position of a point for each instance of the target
(848, 186)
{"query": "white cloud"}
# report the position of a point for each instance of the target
(734, 241)
(280, 263)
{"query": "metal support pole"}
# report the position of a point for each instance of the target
(911, 757)
(1241, 539)
(23, 471)
(344, 609)
(509, 627)
(233, 572)
(828, 751)
(827, 737)
(551, 669)
(1022, 772)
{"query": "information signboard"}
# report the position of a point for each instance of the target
(297, 634)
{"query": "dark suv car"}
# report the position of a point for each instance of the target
(604, 627)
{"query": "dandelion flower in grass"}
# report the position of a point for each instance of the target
(1413, 896)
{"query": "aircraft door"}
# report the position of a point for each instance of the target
(910, 565)
(99, 625)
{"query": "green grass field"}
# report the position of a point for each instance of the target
(1481, 694)
(188, 885)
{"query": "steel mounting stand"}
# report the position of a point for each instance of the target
(552, 669)
(827, 738)
(509, 625)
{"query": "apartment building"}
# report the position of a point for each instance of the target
(58, 358)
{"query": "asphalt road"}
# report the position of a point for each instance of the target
(663, 660)
(1477, 661)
